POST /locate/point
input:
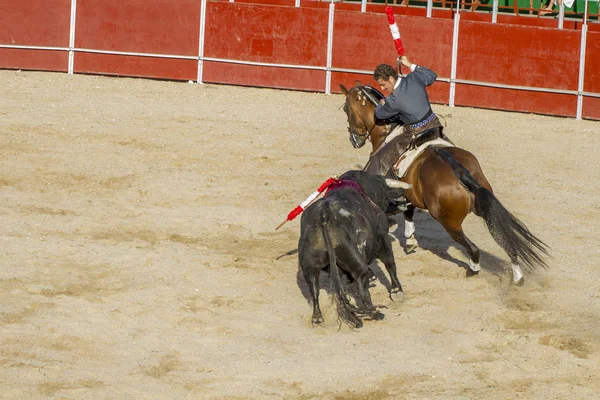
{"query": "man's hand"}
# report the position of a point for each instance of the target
(404, 61)
(382, 101)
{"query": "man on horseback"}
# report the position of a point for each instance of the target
(407, 105)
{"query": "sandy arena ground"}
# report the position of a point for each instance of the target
(140, 261)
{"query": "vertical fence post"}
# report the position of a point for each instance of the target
(297, 3)
(201, 41)
(363, 6)
(584, 29)
(561, 15)
(454, 56)
(329, 48)
(429, 8)
(495, 12)
(72, 37)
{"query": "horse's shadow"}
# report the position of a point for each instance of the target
(431, 236)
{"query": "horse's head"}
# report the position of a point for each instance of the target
(360, 109)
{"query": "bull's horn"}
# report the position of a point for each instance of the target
(393, 183)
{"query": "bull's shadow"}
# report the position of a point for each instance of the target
(432, 237)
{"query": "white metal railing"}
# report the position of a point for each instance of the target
(328, 68)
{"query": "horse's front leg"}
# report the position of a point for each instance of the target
(409, 229)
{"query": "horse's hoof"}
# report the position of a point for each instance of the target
(520, 282)
(410, 248)
(397, 296)
(317, 319)
(471, 273)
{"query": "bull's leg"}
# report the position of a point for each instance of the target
(387, 258)
(311, 276)
(409, 229)
(459, 236)
(363, 290)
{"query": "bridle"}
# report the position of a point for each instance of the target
(359, 139)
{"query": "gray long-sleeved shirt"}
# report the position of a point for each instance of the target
(409, 101)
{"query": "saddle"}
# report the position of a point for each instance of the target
(409, 156)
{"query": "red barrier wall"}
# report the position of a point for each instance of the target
(33, 23)
(510, 53)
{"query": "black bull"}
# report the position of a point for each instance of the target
(345, 231)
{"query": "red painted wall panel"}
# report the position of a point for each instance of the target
(518, 55)
(357, 44)
(35, 22)
(508, 99)
(145, 67)
(592, 63)
(149, 26)
(38, 60)
(267, 34)
(362, 41)
(591, 83)
(591, 108)
(252, 75)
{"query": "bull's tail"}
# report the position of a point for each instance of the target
(346, 311)
(506, 229)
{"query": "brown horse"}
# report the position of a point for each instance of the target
(449, 183)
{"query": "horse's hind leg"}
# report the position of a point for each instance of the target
(409, 229)
(517, 273)
(459, 236)
(311, 276)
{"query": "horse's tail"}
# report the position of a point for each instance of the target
(507, 230)
(346, 311)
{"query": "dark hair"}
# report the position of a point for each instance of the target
(384, 71)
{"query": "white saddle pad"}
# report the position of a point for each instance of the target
(408, 157)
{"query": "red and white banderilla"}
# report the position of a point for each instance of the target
(296, 211)
(395, 34)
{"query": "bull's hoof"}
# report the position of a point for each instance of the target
(372, 276)
(471, 273)
(397, 296)
(377, 316)
(358, 324)
(317, 319)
